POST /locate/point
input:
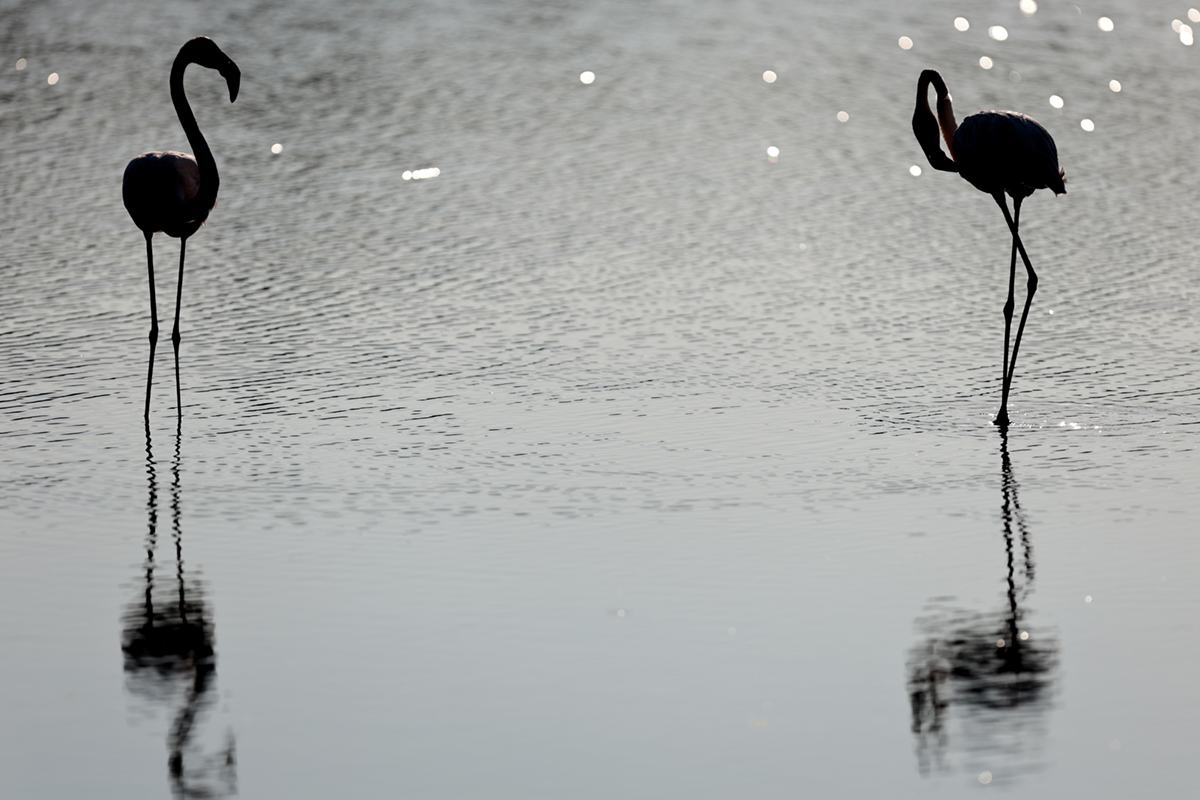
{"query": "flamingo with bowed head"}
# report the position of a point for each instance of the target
(996, 152)
(173, 192)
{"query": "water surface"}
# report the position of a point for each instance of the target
(617, 459)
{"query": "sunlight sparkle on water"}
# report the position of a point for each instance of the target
(1185, 35)
(985, 777)
(1176, 25)
(914, 170)
(1087, 599)
(1056, 101)
(1105, 24)
(843, 116)
(421, 174)
(1114, 85)
(21, 63)
(905, 43)
(1087, 125)
(985, 62)
(1024, 635)
(769, 76)
(52, 79)
(587, 77)
(998, 32)
(773, 153)
(1193, 15)
(961, 23)
(277, 148)
(1028, 7)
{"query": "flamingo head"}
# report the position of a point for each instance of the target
(204, 51)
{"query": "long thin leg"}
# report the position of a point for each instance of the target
(1002, 417)
(153, 322)
(1031, 288)
(175, 331)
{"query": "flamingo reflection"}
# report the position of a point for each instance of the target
(986, 675)
(167, 640)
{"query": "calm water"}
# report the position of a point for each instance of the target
(618, 460)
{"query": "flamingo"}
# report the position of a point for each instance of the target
(996, 152)
(174, 192)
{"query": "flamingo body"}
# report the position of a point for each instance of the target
(157, 189)
(1008, 151)
(998, 152)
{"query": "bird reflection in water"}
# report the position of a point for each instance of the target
(986, 677)
(167, 639)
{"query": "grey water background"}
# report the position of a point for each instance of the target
(616, 460)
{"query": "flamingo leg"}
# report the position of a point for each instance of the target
(153, 323)
(1002, 417)
(1031, 288)
(175, 331)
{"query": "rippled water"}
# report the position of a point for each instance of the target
(617, 459)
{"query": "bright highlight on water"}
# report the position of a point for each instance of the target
(961, 23)
(998, 32)
(769, 76)
(906, 43)
(587, 77)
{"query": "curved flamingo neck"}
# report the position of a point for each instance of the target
(946, 120)
(209, 180)
(927, 126)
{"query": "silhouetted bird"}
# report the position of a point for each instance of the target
(997, 152)
(173, 192)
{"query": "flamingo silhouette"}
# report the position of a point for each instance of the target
(996, 152)
(174, 192)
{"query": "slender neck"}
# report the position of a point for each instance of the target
(926, 126)
(946, 120)
(209, 181)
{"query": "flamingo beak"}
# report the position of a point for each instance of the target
(233, 77)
